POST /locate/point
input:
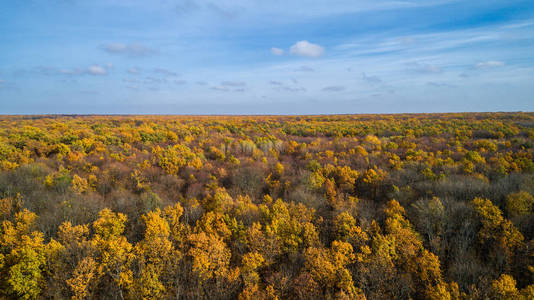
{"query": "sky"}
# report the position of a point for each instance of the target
(265, 57)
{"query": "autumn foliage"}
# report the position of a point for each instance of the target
(410, 206)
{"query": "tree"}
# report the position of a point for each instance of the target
(251, 263)
(82, 277)
(497, 233)
(71, 267)
(210, 264)
(113, 252)
(155, 258)
(504, 288)
(327, 267)
(430, 221)
(423, 266)
(519, 204)
(22, 257)
(346, 230)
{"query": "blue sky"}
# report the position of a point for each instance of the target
(265, 57)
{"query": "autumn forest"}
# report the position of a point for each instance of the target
(403, 206)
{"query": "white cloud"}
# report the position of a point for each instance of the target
(277, 51)
(91, 70)
(305, 48)
(489, 64)
(96, 70)
(127, 49)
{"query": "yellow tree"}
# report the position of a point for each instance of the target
(155, 257)
(22, 257)
(210, 264)
(519, 204)
(327, 268)
(113, 251)
(70, 257)
(504, 287)
(178, 230)
(422, 265)
(251, 262)
(82, 277)
(346, 230)
(497, 232)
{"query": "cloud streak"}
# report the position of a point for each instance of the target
(334, 88)
(304, 69)
(489, 64)
(371, 79)
(424, 68)
(233, 83)
(131, 50)
(95, 70)
(165, 72)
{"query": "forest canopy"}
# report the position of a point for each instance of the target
(405, 206)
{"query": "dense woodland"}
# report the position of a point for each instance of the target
(408, 206)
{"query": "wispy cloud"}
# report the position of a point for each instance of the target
(96, 70)
(154, 80)
(226, 89)
(233, 83)
(296, 9)
(230, 86)
(519, 25)
(132, 50)
(134, 70)
(424, 68)
(371, 79)
(489, 64)
(291, 89)
(220, 9)
(291, 86)
(415, 44)
(277, 51)
(165, 72)
(334, 88)
(304, 69)
(440, 84)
